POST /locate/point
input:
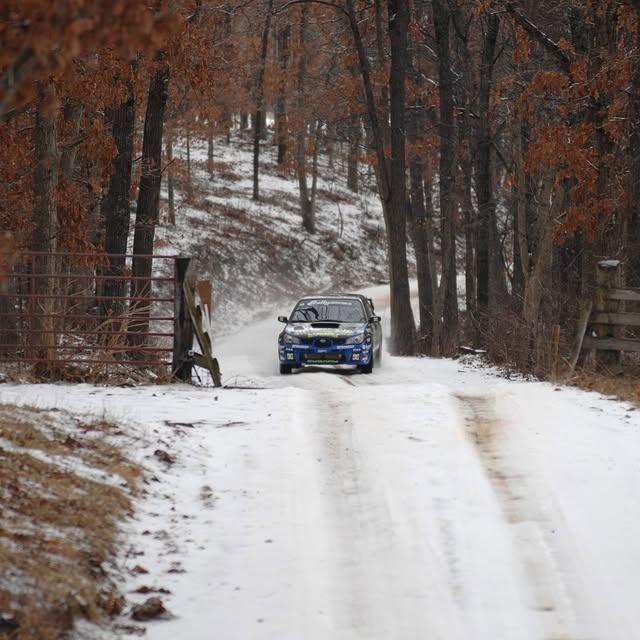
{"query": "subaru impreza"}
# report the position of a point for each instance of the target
(339, 329)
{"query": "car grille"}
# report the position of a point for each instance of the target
(320, 358)
(323, 343)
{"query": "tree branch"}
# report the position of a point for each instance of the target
(196, 12)
(12, 78)
(563, 58)
(327, 3)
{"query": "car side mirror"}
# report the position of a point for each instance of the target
(375, 319)
(283, 319)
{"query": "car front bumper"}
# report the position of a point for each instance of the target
(300, 355)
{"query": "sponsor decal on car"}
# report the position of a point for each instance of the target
(323, 333)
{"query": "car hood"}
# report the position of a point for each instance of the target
(316, 330)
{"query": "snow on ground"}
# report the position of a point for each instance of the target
(427, 500)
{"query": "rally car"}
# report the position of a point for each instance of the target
(331, 330)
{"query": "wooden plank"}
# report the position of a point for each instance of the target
(203, 338)
(629, 295)
(205, 293)
(620, 319)
(611, 344)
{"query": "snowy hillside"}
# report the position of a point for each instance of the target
(262, 244)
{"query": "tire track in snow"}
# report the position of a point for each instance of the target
(552, 585)
(349, 512)
(386, 581)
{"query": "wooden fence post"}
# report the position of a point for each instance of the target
(182, 324)
(608, 277)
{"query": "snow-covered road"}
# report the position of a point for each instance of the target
(428, 500)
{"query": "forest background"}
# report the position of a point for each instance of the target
(504, 138)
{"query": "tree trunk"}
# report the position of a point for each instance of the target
(484, 174)
(148, 194)
(281, 103)
(115, 207)
(9, 334)
(469, 244)
(633, 227)
(520, 213)
(306, 205)
(259, 113)
(427, 188)
(189, 182)
(424, 263)
(517, 287)
(381, 61)
(419, 228)
(210, 150)
(329, 141)
(72, 112)
(314, 168)
(171, 196)
(466, 203)
(45, 217)
(402, 322)
(354, 153)
(306, 208)
(401, 312)
(551, 202)
(446, 307)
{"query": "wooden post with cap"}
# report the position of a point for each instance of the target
(608, 277)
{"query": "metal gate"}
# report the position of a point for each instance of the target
(87, 309)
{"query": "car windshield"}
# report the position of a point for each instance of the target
(328, 310)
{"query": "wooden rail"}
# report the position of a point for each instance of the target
(628, 295)
(619, 319)
(602, 328)
(611, 344)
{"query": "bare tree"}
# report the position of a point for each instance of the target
(259, 112)
(45, 215)
(115, 207)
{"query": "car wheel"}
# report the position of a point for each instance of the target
(367, 368)
(285, 369)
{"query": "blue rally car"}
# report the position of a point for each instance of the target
(331, 330)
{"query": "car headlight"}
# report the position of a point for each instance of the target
(289, 339)
(357, 339)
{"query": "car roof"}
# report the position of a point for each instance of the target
(357, 296)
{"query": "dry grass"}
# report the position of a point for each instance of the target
(58, 519)
(623, 384)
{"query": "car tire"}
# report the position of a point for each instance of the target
(367, 368)
(285, 369)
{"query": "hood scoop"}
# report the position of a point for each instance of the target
(325, 325)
